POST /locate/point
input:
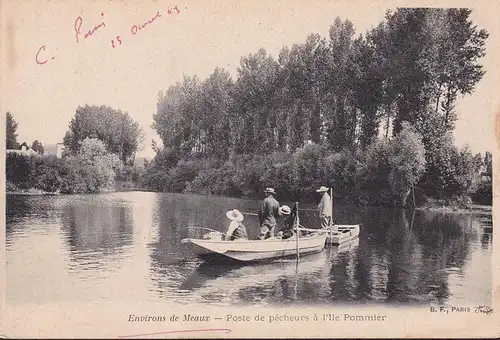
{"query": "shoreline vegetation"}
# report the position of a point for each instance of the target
(477, 209)
(370, 115)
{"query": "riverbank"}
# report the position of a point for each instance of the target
(39, 192)
(30, 192)
(430, 205)
(126, 186)
(470, 209)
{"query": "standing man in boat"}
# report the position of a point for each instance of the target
(325, 208)
(267, 214)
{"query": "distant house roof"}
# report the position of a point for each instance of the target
(24, 151)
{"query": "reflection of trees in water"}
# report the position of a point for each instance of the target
(275, 283)
(486, 223)
(444, 245)
(173, 215)
(16, 207)
(402, 257)
(405, 261)
(22, 207)
(402, 261)
(309, 285)
(486, 239)
(103, 229)
(171, 262)
(445, 239)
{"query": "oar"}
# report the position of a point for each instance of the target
(251, 214)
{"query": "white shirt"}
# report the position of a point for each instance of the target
(232, 227)
(325, 206)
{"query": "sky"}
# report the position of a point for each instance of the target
(43, 94)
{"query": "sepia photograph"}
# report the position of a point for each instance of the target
(320, 164)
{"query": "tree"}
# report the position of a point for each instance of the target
(407, 160)
(368, 89)
(214, 122)
(488, 164)
(342, 121)
(301, 85)
(335, 92)
(91, 170)
(19, 169)
(37, 146)
(177, 115)
(10, 132)
(459, 45)
(119, 133)
(392, 167)
(46, 173)
(483, 194)
(254, 118)
(429, 56)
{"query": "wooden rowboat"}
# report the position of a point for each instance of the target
(255, 250)
(343, 234)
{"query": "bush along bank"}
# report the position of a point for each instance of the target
(92, 170)
(386, 172)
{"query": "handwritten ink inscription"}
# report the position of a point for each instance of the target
(40, 60)
(84, 31)
(135, 28)
(78, 27)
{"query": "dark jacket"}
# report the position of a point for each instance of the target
(269, 211)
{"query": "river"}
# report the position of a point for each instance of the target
(126, 247)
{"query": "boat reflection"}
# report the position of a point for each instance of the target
(212, 279)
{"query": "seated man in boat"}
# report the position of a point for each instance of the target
(267, 214)
(236, 230)
(287, 231)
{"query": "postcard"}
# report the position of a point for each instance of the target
(242, 169)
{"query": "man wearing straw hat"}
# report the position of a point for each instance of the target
(287, 230)
(325, 208)
(236, 229)
(267, 214)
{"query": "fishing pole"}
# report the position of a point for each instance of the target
(315, 210)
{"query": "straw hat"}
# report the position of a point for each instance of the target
(284, 210)
(235, 215)
(270, 191)
(322, 189)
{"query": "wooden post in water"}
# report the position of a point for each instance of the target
(331, 219)
(412, 218)
(297, 229)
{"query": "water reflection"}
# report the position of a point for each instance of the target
(98, 233)
(17, 207)
(128, 245)
(406, 262)
(486, 239)
(20, 208)
(97, 228)
(279, 282)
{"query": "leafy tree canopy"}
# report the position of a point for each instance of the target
(119, 133)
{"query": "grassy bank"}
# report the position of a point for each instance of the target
(444, 206)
